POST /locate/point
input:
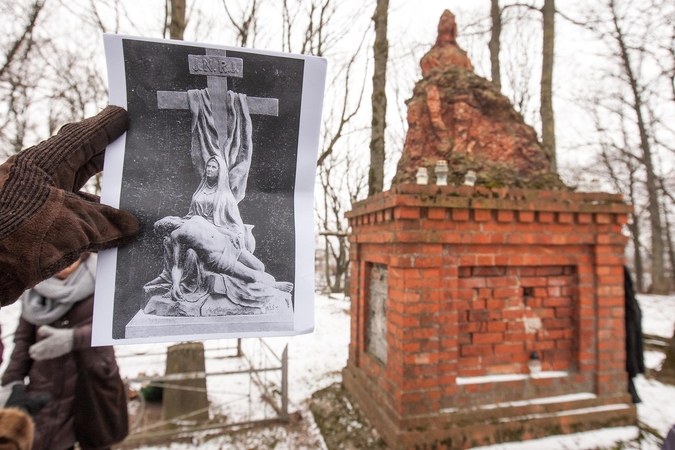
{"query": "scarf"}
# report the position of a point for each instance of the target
(52, 298)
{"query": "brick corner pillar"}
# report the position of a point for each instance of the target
(454, 288)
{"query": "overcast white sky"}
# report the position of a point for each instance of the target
(412, 30)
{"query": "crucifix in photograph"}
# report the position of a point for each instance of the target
(209, 267)
(217, 67)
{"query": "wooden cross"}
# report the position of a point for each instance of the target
(217, 67)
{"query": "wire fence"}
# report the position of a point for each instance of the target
(246, 385)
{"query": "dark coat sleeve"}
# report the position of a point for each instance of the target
(20, 361)
(634, 346)
(82, 337)
(2, 347)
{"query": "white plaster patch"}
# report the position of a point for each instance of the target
(532, 324)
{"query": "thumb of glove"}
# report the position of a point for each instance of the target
(45, 331)
(56, 342)
(42, 228)
(86, 225)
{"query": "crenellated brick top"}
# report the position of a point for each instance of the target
(465, 197)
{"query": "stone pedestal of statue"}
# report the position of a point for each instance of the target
(217, 315)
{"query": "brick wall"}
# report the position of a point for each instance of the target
(510, 312)
(477, 280)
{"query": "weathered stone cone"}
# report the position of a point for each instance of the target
(458, 116)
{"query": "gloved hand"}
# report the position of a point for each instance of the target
(54, 342)
(45, 222)
(15, 395)
(6, 391)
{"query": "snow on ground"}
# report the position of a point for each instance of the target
(9, 320)
(317, 359)
(315, 362)
(658, 314)
(586, 440)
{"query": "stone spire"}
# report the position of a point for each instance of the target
(445, 52)
(458, 116)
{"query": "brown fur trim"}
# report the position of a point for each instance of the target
(16, 429)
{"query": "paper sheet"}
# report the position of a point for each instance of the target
(208, 263)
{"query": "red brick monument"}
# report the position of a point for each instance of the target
(458, 293)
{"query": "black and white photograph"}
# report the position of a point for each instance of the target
(218, 164)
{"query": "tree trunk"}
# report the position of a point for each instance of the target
(177, 25)
(667, 372)
(326, 262)
(671, 249)
(547, 123)
(495, 41)
(341, 265)
(659, 282)
(635, 231)
(379, 99)
(637, 256)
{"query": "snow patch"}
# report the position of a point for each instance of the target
(580, 441)
(658, 314)
(571, 412)
(543, 400)
(508, 377)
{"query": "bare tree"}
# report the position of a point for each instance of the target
(347, 112)
(336, 247)
(626, 30)
(17, 80)
(548, 12)
(512, 66)
(518, 65)
(659, 284)
(178, 23)
(319, 27)
(20, 46)
(316, 27)
(547, 121)
(338, 172)
(247, 24)
(622, 167)
(520, 86)
(379, 99)
(495, 42)
(669, 242)
(288, 16)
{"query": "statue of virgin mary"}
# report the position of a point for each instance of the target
(201, 271)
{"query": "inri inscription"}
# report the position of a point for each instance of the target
(219, 66)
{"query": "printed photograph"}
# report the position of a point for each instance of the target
(209, 169)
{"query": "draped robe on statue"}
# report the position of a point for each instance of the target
(219, 206)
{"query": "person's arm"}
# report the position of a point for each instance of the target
(20, 361)
(2, 348)
(45, 222)
(82, 337)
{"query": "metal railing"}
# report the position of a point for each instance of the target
(254, 359)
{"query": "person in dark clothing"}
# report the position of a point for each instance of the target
(634, 348)
(53, 349)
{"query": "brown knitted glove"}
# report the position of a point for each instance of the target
(45, 223)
